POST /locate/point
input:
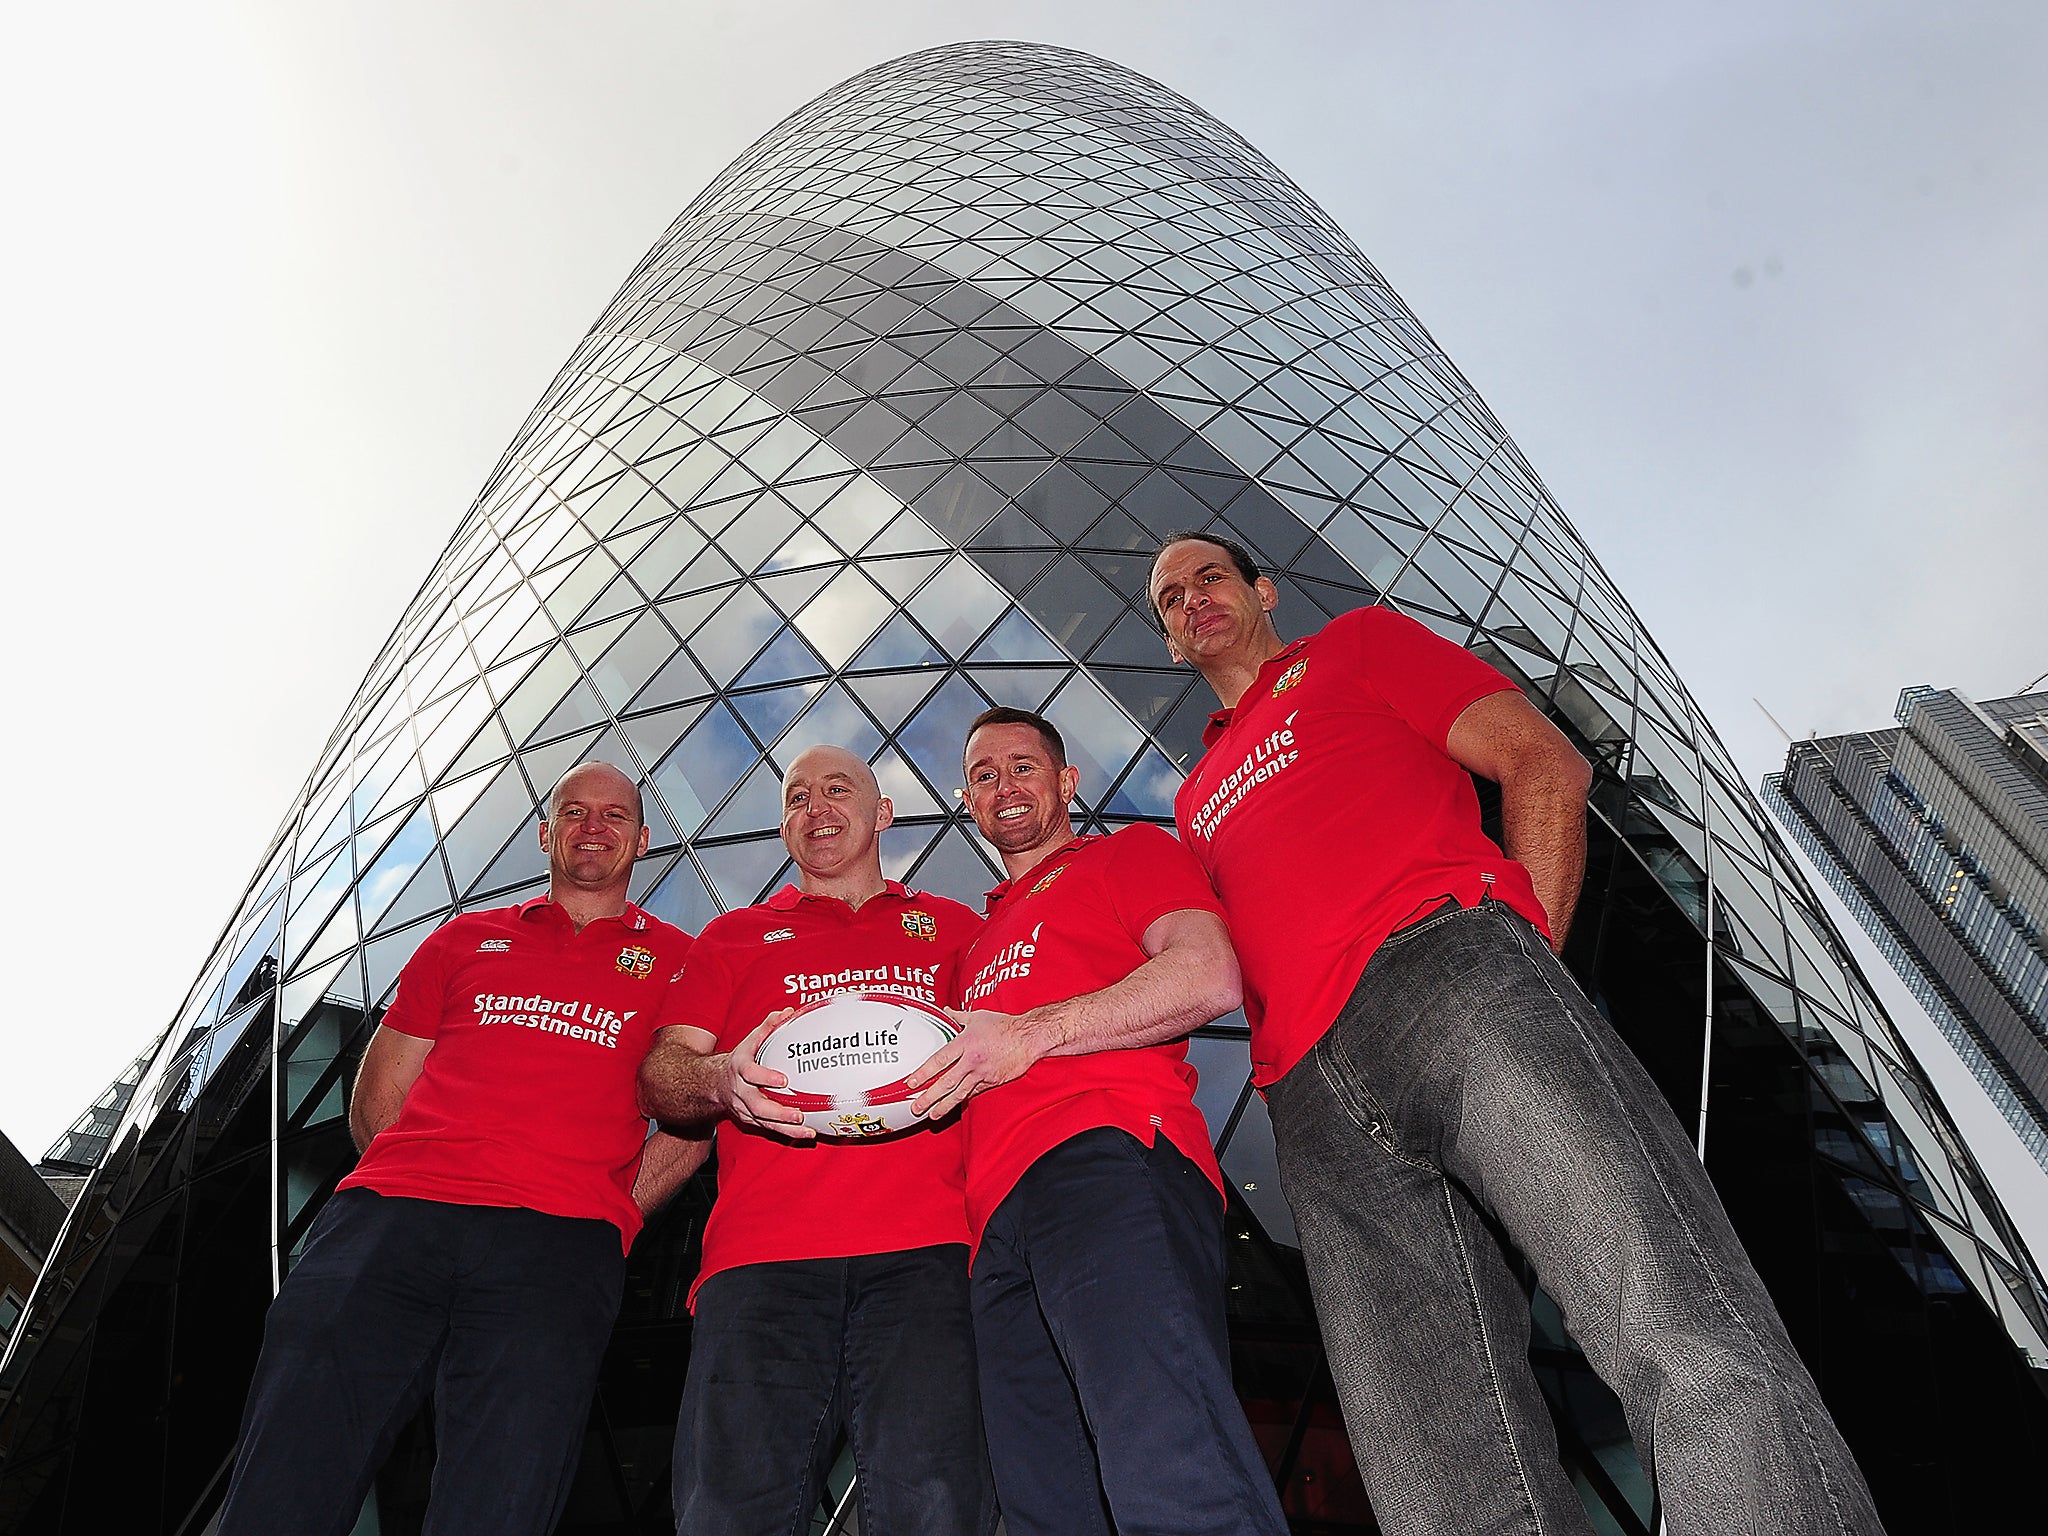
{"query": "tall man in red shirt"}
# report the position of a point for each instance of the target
(1093, 1194)
(1431, 1067)
(833, 1293)
(478, 1249)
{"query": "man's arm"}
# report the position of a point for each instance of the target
(687, 1081)
(390, 1067)
(666, 1161)
(1190, 978)
(1543, 782)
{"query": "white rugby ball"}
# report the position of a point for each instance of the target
(846, 1057)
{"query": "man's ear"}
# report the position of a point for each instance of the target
(543, 834)
(1269, 595)
(885, 813)
(645, 833)
(1070, 783)
(1173, 653)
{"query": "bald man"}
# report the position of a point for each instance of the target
(833, 1294)
(478, 1249)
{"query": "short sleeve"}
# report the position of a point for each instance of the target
(422, 998)
(1424, 678)
(702, 995)
(958, 927)
(1150, 875)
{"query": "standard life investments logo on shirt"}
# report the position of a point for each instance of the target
(566, 1017)
(1275, 754)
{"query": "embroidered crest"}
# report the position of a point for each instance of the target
(1048, 880)
(635, 961)
(1290, 677)
(919, 925)
(776, 935)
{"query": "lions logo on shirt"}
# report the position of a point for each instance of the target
(919, 925)
(1290, 677)
(635, 961)
(1048, 880)
(854, 1123)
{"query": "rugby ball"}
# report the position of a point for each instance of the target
(846, 1057)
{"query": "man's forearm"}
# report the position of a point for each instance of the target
(666, 1162)
(367, 1119)
(1170, 995)
(679, 1086)
(1543, 828)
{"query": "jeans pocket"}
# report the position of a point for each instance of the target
(1350, 1097)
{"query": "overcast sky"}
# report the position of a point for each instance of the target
(1757, 287)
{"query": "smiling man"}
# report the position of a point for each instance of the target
(1435, 1076)
(477, 1250)
(1093, 1195)
(833, 1292)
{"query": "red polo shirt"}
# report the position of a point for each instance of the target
(1328, 814)
(527, 1098)
(825, 1199)
(1071, 925)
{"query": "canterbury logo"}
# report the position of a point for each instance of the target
(778, 933)
(494, 946)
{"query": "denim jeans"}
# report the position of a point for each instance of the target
(1099, 1318)
(502, 1313)
(785, 1355)
(1469, 1081)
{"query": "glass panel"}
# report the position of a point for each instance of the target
(842, 617)
(728, 640)
(703, 768)
(955, 607)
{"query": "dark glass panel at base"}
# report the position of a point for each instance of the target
(1919, 1384)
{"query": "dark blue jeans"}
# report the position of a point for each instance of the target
(1099, 1319)
(501, 1313)
(786, 1355)
(1468, 1078)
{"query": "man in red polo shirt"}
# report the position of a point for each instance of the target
(478, 1249)
(1094, 1198)
(1431, 1068)
(833, 1293)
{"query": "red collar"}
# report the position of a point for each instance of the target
(1079, 840)
(632, 917)
(785, 900)
(1220, 721)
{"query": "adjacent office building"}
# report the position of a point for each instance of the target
(30, 1214)
(884, 429)
(1935, 834)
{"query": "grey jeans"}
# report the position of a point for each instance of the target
(1468, 1078)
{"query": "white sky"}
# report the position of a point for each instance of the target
(1757, 287)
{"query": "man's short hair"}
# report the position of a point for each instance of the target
(1003, 714)
(1247, 565)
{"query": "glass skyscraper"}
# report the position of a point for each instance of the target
(883, 429)
(1935, 833)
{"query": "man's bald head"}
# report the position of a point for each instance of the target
(593, 831)
(833, 813)
(822, 760)
(596, 778)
